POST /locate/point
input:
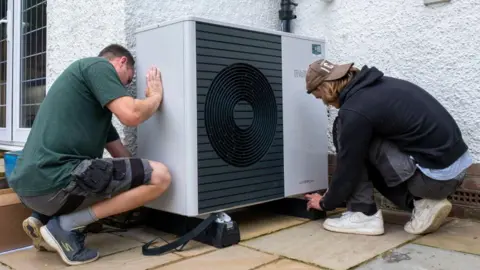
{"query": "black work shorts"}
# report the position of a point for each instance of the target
(119, 174)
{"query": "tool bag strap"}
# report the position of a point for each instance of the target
(182, 241)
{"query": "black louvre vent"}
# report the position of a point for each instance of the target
(240, 115)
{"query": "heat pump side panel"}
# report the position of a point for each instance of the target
(253, 61)
(163, 137)
(305, 120)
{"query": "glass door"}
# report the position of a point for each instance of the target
(29, 89)
(6, 68)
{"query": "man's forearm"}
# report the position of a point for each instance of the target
(145, 108)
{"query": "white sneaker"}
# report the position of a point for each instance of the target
(428, 215)
(356, 223)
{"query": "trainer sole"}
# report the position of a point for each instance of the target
(438, 218)
(32, 226)
(54, 244)
(354, 231)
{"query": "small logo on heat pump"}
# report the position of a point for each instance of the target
(304, 182)
(299, 73)
(317, 49)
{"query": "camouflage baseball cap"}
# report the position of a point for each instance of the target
(322, 71)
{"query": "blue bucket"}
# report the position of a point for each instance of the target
(10, 159)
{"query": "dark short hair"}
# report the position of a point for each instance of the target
(115, 50)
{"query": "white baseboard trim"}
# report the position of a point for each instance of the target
(6, 146)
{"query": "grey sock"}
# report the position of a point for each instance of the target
(77, 219)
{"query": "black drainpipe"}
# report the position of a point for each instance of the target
(286, 14)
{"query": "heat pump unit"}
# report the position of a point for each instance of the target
(236, 127)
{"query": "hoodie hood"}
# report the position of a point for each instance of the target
(364, 78)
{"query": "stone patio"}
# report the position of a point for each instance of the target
(280, 242)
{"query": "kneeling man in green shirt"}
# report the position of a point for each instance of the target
(61, 174)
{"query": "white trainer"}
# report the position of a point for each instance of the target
(356, 223)
(428, 215)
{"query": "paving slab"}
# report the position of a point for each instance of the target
(144, 235)
(412, 256)
(108, 244)
(336, 212)
(285, 264)
(30, 258)
(256, 223)
(252, 223)
(459, 235)
(130, 260)
(312, 244)
(396, 217)
(231, 258)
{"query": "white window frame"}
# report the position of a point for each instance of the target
(13, 136)
(19, 134)
(6, 132)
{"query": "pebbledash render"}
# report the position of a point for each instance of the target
(432, 45)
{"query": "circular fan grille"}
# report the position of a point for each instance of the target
(240, 115)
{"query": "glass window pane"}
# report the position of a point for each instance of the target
(3, 31)
(3, 64)
(3, 104)
(33, 60)
(3, 73)
(3, 116)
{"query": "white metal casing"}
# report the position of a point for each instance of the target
(170, 136)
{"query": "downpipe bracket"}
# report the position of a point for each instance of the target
(286, 15)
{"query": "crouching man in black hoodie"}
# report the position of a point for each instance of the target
(393, 136)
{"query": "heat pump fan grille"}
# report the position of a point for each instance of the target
(238, 137)
(239, 112)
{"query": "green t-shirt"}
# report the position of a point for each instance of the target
(72, 124)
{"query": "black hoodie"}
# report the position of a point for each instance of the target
(376, 105)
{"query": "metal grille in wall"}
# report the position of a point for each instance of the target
(33, 59)
(3, 63)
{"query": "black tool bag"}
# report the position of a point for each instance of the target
(217, 230)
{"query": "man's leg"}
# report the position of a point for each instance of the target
(137, 197)
(42, 218)
(400, 181)
(431, 206)
(362, 199)
(362, 215)
(134, 182)
(398, 195)
(127, 195)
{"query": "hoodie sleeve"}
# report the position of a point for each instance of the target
(354, 135)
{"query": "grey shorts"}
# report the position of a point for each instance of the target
(111, 176)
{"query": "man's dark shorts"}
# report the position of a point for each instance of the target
(93, 181)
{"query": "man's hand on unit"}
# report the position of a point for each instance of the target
(154, 83)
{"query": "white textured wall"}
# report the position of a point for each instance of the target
(436, 47)
(77, 29)
(263, 14)
(81, 28)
